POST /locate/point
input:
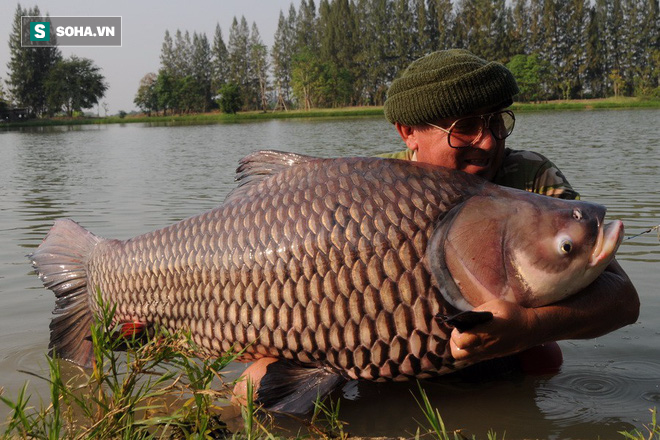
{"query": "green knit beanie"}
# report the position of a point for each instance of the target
(447, 84)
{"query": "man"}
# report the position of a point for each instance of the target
(449, 109)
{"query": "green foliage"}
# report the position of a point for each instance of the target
(122, 114)
(281, 56)
(258, 71)
(74, 84)
(219, 61)
(230, 98)
(320, 84)
(531, 72)
(166, 91)
(29, 68)
(146, 97)
(349, 51)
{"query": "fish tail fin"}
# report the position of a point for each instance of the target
(60, 263)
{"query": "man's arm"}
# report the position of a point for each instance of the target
(609, 303)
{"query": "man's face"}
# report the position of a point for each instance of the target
(483, 158)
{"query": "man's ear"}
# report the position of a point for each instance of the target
(408, 134)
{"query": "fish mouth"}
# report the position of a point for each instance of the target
(609, 239)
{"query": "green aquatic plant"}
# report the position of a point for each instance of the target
(433, 418)
(437, 426)
(653, 430)
(128, 392)
(325, 421)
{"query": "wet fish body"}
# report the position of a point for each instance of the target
(336, 265)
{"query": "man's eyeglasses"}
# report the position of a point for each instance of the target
(466, 132)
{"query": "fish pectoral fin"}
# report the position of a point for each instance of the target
(290, 388)
(129, 330)
(466, 320)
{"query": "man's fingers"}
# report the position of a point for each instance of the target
(462, 343)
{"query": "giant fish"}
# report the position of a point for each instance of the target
(339, 268)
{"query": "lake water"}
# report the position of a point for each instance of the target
(121, 181)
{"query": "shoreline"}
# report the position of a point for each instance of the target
(363, 111)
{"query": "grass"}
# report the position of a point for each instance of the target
(217, 117)
(589, 104)
(137, 389)
(204, 118)
(149, 387)
(157, 387)
(652, 430)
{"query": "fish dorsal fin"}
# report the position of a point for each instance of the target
(260, 165)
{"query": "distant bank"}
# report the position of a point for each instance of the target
(217, 117)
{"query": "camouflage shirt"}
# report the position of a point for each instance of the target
(524, 170)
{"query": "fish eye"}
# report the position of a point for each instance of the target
(577, 214)
(566, 246)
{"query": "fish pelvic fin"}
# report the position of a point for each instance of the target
(290, 388)
(466, 320)
(261, 165)
(60, 263)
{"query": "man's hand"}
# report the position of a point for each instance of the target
(609, 303)
(510, 331)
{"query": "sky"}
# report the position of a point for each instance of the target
(144, 23)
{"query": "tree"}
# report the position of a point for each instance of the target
(74, 84)
(4, 99)
(201, 71)
(281, 54)
(423, 36)
(647, 68)
(531, 72)
(239, 55)
(258, 67)
(618, 82)
(376, 58)
(219, 61)
(167, 54)
(338, 49)
(183, 50)
(304, 78)
(595, 82)
(147, 98)
(230, 98)
(519, 25)
(402, 36)
(190, 94)
(445, 20)
(306, 28)
(570, 40)
(166, 91)
(29, 67)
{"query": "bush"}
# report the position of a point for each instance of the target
(230, 98)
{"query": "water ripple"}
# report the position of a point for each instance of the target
(598, 394)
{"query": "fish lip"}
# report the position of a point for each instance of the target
(610, 236)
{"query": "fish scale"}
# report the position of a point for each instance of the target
(321, 264)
